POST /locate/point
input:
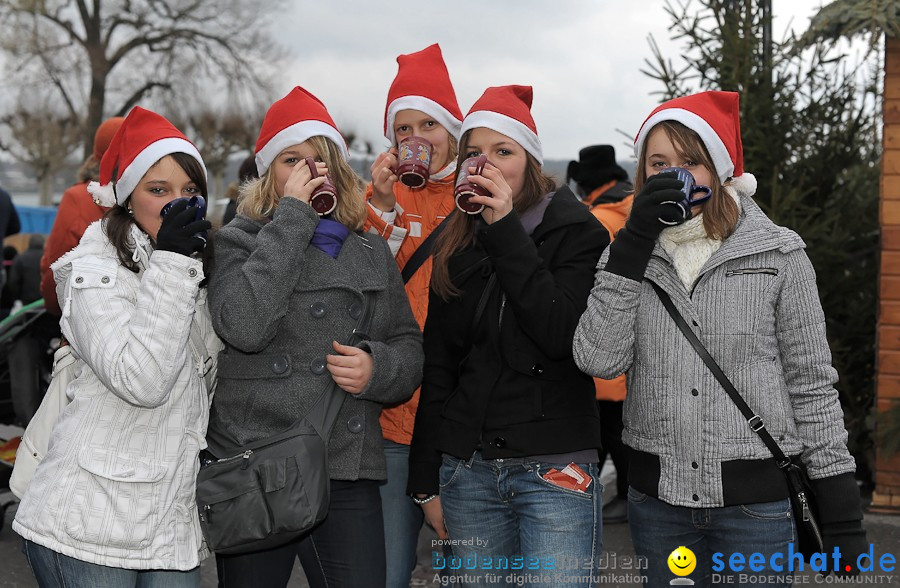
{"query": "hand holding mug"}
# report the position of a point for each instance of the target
(652, 210)
(324, 198)
(303, 182)
(481, 188)
(383, 178)
(689, 198)
(183, 228)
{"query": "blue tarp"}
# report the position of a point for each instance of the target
(36, 219)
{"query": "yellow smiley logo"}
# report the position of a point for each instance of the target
(682, 561)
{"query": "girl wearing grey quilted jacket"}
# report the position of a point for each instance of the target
(699, 476)
(290, 287)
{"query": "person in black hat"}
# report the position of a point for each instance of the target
(603, 185)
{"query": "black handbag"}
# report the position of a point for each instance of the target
(274, 490)
(809, 533)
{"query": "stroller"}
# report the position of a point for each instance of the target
(28, 339)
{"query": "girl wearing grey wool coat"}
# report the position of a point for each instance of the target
(699, 476)
(289, 288)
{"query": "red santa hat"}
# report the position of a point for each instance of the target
(143, 138)
(715, 116)
(423, 83)
(291, 121)
(507, 110)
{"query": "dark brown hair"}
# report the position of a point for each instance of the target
(460, 232)
(721, 212)
(117, 221)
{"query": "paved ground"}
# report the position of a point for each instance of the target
(883, 530)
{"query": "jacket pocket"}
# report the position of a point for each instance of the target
(116, 500)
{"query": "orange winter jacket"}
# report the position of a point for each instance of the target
(612, 215)
(76, 212)
(419, 212)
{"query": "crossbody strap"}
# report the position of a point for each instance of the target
(753, 419)
(424, 250)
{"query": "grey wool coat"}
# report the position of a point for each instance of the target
(278, 303)
(756, 308)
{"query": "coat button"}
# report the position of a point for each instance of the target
(695, 465)
(355, 310)
(104, 280)
(537, 369)
(317, 366)
(280, 365)
(695, 497)
(694, 392)
(79, 279)
(355, 424)
(192, 272)
(499, 442)
(317, 309)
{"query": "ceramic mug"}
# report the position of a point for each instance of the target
(689, 191)
(198, 202)
(413, 162)
(324, 199)
(465, 189)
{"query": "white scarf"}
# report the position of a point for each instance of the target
(689, 246)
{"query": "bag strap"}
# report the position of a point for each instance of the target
(753, 419)
(424, 250)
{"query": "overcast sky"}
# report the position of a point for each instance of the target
(583, 58)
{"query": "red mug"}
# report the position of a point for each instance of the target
(465, 189)
(324, 199)
(413, 161)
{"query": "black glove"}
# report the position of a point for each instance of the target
(840, 517)
(630, 253)
(648, 206)
(179, 232)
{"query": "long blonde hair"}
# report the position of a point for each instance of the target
(460, 232)
(258, 198)
(720, 213)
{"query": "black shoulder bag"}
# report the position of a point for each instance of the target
(274, 490)
(809, 534)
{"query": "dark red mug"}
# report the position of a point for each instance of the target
(324, 199)
(465, 189)
(413, 162)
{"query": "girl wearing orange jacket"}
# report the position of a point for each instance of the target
(421, 102)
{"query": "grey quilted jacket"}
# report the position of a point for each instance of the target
(756, 308)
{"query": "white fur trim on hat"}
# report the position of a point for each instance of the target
(294, 135)
(505, 125)
(717, 150)
(422, 104)
(103, 195)
(131, 175)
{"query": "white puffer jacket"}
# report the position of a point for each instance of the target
(117, 485)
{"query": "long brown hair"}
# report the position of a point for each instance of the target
(721, 212)
(117, 221)
(258, 198)
(460, 232)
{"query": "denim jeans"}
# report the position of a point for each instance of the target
(403, 518)
(658, 528)
(502, 512)
(343, 549)
(55, 570)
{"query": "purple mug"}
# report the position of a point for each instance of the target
(689, 189)
(414, 161)
(465, 189)
(198, 202)
(324, 199)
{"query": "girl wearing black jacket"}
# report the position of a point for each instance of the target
(504, 450)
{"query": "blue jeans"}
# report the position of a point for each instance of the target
(505, 519)
(658, 528)
(402, 517)
(55, 570)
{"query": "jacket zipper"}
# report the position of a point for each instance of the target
(752, 270)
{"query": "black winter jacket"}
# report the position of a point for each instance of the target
(508, 385)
